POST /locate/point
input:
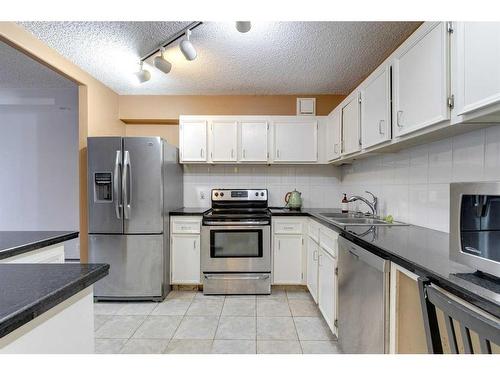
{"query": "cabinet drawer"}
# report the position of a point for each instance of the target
(191, 226)
(313, 230)
(290, 227)
(328, 241)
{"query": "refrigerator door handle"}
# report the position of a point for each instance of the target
(116, 184)
(127, 186)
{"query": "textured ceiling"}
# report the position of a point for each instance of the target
(272, 58)
(18, 71)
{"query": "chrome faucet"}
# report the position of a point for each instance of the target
(373, 205)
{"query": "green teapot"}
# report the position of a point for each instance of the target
(293, 200)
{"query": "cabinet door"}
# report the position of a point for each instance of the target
(476, 65)
(376, 109)
(327, 288)
(312, 268)
(421, 80)
(185, 259)
(287, 261)
(350, 126)
(193, 141)
(254, 146)
(333, 136)
(224, 141)
(296, 141)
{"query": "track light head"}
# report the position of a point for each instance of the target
(243, 26)
(187, 48)
(161, 63)
(142, 75)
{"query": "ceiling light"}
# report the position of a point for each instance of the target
(243, 26)
(187, 48)
(161, 62)
(142, 75)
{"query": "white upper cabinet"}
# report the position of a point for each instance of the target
(333, 137)
(254, 144)
(193, 141)
(421, 80)
(350, 126)
(476, 68)
(295, 141)
(376, 108)
(224, 145)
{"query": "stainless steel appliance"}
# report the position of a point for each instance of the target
(363, 287)
(236, 243)
(475, 225)
(133, 183)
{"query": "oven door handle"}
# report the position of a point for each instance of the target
(236, 223)
(215, 277)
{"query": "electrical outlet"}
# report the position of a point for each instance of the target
(202, 195)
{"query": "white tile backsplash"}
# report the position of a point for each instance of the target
(319, 184)
(413, 185)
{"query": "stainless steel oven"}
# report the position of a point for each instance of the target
(236, 243)
(475, 225)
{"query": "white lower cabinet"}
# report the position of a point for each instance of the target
(312, 268)
(321, 273)
(49, 254)
(185, 250)
(287, 258)
(185, 259)
(327, 288)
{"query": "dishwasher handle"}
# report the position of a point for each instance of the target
(355, 251)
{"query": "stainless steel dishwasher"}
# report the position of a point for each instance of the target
(363, 311)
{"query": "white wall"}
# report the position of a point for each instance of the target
(318, 183)
(413, 185)
(39, 160)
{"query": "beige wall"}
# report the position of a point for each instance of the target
(168, 132)
(145, 115)
(98, 105)
(160, 108)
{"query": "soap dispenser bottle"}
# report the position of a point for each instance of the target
(345, 208)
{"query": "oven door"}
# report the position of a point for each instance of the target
(236, 248)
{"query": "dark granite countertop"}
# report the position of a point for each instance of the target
(28, 290)
(188, 211)
(420, 250)
(18, 242)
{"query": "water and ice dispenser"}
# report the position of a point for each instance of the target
(103, 187)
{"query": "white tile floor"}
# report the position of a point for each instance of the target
(286, 322)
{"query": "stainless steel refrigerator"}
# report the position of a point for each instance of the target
(133, 183)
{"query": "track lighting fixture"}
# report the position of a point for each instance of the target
(187, 48)
(142, 75)
(243, 26)
(161, 62)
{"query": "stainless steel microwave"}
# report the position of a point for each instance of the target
(475, 225)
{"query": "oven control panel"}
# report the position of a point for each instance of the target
(239, 195)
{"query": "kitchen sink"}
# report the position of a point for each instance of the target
(349, 219)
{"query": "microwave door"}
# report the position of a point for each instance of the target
(104, 157)
(142, 185)
(490, 219)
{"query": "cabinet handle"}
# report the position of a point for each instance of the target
(278, 154)
(288, 228)
(194, 245)
(380, 127)
(232, 153)
(335, 148)
(398, 119)
(315, 255)
(279, 244)
(244, 153)
(201, 152)
(319, 260)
